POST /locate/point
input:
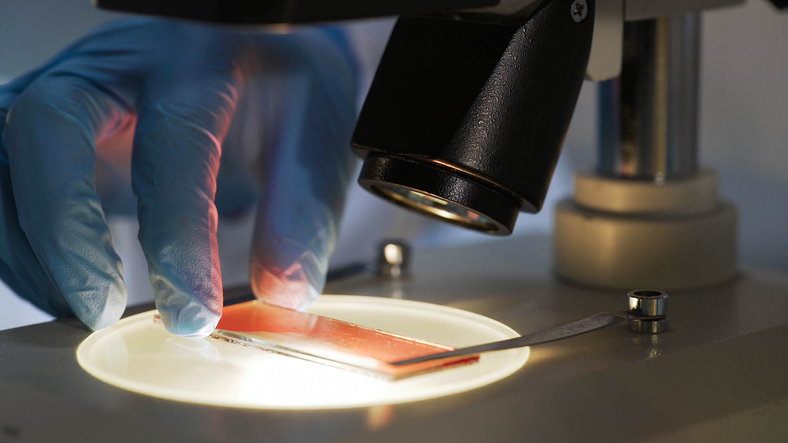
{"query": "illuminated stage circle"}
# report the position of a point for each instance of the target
(139, 355)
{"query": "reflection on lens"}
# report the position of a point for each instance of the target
(435, 206)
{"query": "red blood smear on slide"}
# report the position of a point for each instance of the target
(339, 335)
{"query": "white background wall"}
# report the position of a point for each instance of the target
(743, 133)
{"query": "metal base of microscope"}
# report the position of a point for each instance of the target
(717, 375)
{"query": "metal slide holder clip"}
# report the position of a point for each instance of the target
(647, 309)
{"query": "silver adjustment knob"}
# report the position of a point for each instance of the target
(393, 259)
(648, 303)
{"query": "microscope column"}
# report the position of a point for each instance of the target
(648, 116)
(648, 216)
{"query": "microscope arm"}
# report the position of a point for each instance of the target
(468, 110)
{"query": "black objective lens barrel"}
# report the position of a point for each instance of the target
(473, 114)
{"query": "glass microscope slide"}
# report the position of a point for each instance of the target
(329, 341)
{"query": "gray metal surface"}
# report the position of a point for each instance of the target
(723, 362)
(648, 116)
(649, 326)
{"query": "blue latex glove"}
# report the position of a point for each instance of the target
(277, 109)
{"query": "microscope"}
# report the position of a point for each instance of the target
(464, 122)
(467, 114)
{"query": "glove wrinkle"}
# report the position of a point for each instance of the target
(61, 216)
(276, 111)
(175, 162)
(298, 214)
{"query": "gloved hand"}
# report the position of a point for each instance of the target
(278, 110)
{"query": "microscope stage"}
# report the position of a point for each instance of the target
(139, 355)
(717, 375)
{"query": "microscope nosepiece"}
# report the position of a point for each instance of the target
(439, 193)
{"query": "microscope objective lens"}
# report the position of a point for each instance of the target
(435, 206)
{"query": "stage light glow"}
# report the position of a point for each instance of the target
(139, 355)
